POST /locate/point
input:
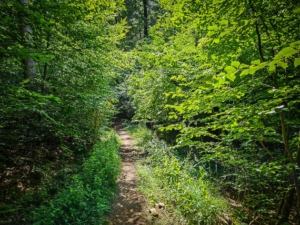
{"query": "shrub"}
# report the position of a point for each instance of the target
(88, 196)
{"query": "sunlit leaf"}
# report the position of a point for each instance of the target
(217, 40)
(213, 28)
(255, 62)
(282, 64)
(244, 73)
(272, 67)
(235, 64)
(231, 76)
(297, 62)
(229, 69)
(285, 52)
(295, 44)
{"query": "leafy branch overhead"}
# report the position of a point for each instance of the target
(224, 76)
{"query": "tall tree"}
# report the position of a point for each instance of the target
(29, 64)
(140, 16)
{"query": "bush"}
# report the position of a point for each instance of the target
(88, 196)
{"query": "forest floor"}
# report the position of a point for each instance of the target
(130, 206)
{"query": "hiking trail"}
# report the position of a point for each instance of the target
(130, 206)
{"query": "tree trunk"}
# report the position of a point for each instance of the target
(145, 5)
(286, 206)
(28, 63)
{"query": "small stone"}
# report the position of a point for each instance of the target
(131, 221)
(222, 221)
(227, 219)
(131, 210)
(161, 205)
(153, 212)
(137, 214)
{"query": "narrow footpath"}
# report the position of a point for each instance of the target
(129, 206)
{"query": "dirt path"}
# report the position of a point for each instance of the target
(129, 206)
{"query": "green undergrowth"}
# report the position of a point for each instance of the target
(87, 197)
(163, 177)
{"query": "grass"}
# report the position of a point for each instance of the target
(87, 197)
(182, 187)
(143, 137)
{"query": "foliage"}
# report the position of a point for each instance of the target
(136, 23)
(134, 16)
(58, 61)
(74, 50)
(87, 197)
(224, 74)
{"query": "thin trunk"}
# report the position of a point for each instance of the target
(297, 175)
(145, 5)
(45, 66)
(257, 33)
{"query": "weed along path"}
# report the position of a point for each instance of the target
(129, 206)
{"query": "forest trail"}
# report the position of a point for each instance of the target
(130, 205)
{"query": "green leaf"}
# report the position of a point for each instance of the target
(253, 69)
(229, 69)
(220, 82)
(207, 86)
(282, 64)
(295, 44)
(272, 67)
(285, 52)
(242, 66)
(211, 33)
(52, 21)
(173, 115)
(208, 78)
(214, 27)
(297, 10)
(244, 73)
(255, 62)
(236, 64)
(231, 76)
(217, 40)
(297, 62)
(224, 22)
